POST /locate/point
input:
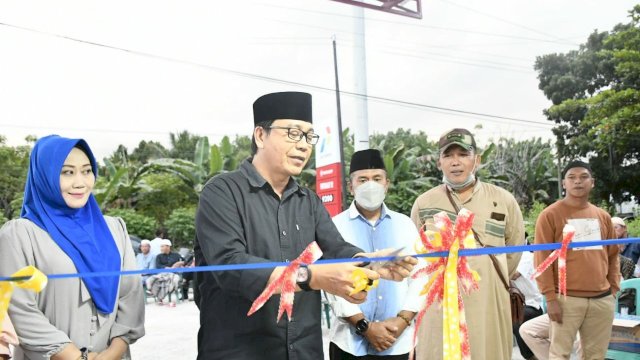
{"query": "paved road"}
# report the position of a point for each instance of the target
(172, 333)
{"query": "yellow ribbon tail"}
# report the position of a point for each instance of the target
(432, 278)
(36, 281)
(451, 314)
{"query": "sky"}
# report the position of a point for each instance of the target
(118, 72)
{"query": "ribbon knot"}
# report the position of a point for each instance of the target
(286, 282)
(446, 275)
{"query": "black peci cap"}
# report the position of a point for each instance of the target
(366, 159)
(283, 105)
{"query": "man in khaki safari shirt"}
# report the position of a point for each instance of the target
(498, 222)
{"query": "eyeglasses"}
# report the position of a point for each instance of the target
(297, 134)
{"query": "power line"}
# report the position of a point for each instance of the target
(558, 41)
(453, 59)
(507, 21)
(488, 64)
(276, 80)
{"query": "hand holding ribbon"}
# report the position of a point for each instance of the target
(30, 279)
(286, 282)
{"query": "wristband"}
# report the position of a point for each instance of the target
(84, 354)
(405, 318)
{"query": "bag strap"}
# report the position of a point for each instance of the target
(475, 235)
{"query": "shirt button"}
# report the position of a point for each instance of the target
(284, 233)
(286, 260)
(291, 346)
(92, 332)
(379, 297)
(94, 318)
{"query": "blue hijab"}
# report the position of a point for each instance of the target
(81, 233)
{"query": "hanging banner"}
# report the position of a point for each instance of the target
(329, 165)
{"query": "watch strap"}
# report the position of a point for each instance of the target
(304, 285)
(84, 354)
(362, 326)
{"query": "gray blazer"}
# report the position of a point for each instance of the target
(63, 312)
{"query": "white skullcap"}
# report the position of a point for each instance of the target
(618, 221)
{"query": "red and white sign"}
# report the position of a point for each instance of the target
(329, 165)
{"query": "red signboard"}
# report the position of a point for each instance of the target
(329, 187)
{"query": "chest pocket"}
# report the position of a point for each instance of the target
(495, 228)
(304, 233)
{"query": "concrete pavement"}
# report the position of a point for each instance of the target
(171, 333)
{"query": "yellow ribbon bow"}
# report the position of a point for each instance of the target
(30, 279)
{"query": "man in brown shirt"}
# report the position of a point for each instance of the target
(593, 273)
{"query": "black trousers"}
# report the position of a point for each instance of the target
(529, 313)
(335, 353)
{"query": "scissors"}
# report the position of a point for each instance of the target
(377, 265)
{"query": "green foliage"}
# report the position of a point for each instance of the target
(633, 228)
(14, 162)
(228, 156)
(181, 226)
(525, 168)
(596, 97)
(122, 184)
(168, 192)
(3, 220)
(530, 218)
(16, 204)
(183, 145)
(410, 163)
(137, 224)
(147, 150)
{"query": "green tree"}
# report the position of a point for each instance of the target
(14, 162)
(595, 92)
(167, 193)
(122, 183)
(633, 228)
(137, 224)
(530, 218)
(181, 226)
(183, 145)
(525, 168)
(411, 169)
(147, 150)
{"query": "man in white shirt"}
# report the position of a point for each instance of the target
(157, 242)
(382, 327)
(533, 299)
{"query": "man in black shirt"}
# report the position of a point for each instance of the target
(260, 214)
(165, 283)
(167, 258)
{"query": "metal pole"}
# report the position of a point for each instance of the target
(361, 121)
(340, 142)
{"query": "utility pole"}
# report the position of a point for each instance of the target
(340, 140)
(361, 126)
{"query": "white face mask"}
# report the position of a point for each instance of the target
(370, 195)
(470, 180)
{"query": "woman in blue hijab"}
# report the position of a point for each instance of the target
(61, 230)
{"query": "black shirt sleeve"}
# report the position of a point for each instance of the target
(220, 235)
